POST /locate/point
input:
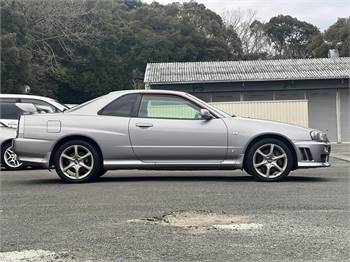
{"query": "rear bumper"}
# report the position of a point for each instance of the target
(313, 154)
(34, 152)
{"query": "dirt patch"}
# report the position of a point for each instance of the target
(201, 220)
(36, 255)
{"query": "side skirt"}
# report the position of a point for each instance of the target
(190, 165)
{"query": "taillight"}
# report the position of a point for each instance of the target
(20, 127)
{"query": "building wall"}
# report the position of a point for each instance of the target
(345, 114)
(252, 96)
(286, 85)
(321, 94)
(288, 111)
(322, 111)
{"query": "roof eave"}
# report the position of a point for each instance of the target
(242, 80)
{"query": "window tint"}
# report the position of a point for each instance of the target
(9, 111)
(123, 106)
(167, 106)
(41, 106)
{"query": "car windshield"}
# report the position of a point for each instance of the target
(224, 114)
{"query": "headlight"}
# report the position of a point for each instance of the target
(318, 136)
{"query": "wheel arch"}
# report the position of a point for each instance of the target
(280, 137)
(74, 137)
(6, 141)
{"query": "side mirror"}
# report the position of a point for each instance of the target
(28, 108)
(205, 114)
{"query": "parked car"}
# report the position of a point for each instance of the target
(8, 157)
(9, 113)
(150, 129)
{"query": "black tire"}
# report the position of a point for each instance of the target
(4, 148)
(102, 172)
(69, 175)
(277, 174)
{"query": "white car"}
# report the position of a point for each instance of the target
(8, 157)
(9, 115)
(9, 112)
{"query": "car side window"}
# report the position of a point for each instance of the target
(8, 100)
(9, 111)
(123, 106)
(41, 106)
(168, 107)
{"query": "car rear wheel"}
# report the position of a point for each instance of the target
(269, 160)
(9, 158)
(77, 162)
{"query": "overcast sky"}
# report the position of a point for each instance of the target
(321, 13)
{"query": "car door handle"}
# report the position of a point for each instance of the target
(144, 125)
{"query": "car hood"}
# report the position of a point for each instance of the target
(259, 126)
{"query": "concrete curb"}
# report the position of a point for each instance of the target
(341, 157)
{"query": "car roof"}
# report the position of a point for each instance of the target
(89, 106)
(142, 91)
(111, 93)
(25, 96)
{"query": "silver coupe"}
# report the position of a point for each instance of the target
(150, 129)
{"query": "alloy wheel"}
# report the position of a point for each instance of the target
(76, 162)
(270, 160)
(10, 158)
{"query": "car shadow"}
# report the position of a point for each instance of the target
(26, 168)
(206, 178)
(111, 179)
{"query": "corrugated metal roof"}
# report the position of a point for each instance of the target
(258, 70)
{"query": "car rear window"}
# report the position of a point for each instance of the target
(123, 106)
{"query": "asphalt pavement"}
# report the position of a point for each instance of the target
(176, 216)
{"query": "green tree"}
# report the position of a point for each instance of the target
(77, 50)
(318, 46)
(290, 37)
(337, 35)
(16, 68)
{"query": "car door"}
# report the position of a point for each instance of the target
(113, 124)
(170, 129)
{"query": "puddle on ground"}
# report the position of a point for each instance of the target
(201, 221)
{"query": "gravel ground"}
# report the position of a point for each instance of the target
(176, 216)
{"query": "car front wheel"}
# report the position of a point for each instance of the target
(9, 158)
(77, 162)
(269, 160)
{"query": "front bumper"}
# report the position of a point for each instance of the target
(34, 152)
(313, 154)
